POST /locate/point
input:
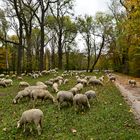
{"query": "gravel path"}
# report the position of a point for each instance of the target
(130, 94)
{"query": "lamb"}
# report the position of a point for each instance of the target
(64, 96)
(90, 94)
(93, 81)
(20, 95)
(32, 115)
(80, 101)
(55, 87)
(42, 94)
(23, 84)
(132, 83)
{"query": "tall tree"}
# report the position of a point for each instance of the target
(86, 28)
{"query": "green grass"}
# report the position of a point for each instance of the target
(108, 118)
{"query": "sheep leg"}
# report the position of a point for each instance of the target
(39, 129)
(24, 126)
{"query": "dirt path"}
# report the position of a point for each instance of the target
(130, 94)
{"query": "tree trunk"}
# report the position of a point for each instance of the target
(53, 58)
(95, 62)
(19, 60)
(29, 55)
(60, 51)
(42, 43)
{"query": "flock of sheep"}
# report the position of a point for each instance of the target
(71, 97)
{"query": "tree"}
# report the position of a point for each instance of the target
(86, 28)
(103, 26)
(59, 12)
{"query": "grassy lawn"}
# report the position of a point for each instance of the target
(109, 117)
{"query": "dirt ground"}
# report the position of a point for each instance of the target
(130, 94)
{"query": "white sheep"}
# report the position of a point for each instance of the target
(23, 84)
(48, 83)
(20, 95)
(83, 81)
(1, 75)
(8, 82)
(93, 82)
(90, 94)
(55, 87)
(32, 115)
(132, 83)
(7, 76)
(112, 78)
(101, 78)
(41, 84)
(64, 96)
(13, 76)
(79, 86)
(35, 75)
(80, 101)
(74, 90)
(19, 78)
(60, 82)
(66, 81)
(3, 84)
(42, 94)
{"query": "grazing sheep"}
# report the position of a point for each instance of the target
(83, 81)
(90, 94)
(13, 76)
(112, 78)
(23, 84)
(41, 84)
(64, 96)
(93, 82)
(132, 83)
(60, 82)
(74, 90)
(19, 78)
(66, 81)
(79, 86)
(8, 82)
(1, 75)
(48, 83)
(26, 92)
(3, 84)
(80, 101)
(20, 95)
(7, 76)
(35, 75)
(101, 78)
(55, 87)
(41, 94)
(32, 115)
